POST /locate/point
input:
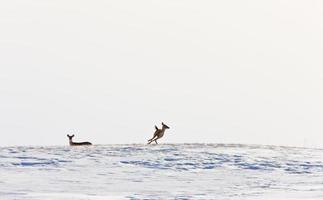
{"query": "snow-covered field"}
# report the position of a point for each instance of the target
(169, 171)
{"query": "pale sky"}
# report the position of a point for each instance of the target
(215, 71)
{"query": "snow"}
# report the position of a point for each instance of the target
(165, 171)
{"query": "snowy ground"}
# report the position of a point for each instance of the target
(170, 171)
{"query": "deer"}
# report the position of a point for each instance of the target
(159, 133)
(70, 137)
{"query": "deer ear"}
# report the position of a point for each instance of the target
(73, 135)
(156, 128)
(163, 124)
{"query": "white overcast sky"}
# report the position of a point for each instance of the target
(228, 71)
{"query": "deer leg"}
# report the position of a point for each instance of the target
(156, 140)
(150, 140)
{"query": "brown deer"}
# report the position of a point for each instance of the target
(159, 133)
(70, 137)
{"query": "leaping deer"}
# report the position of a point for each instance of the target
(70, 137)
(159, 133)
